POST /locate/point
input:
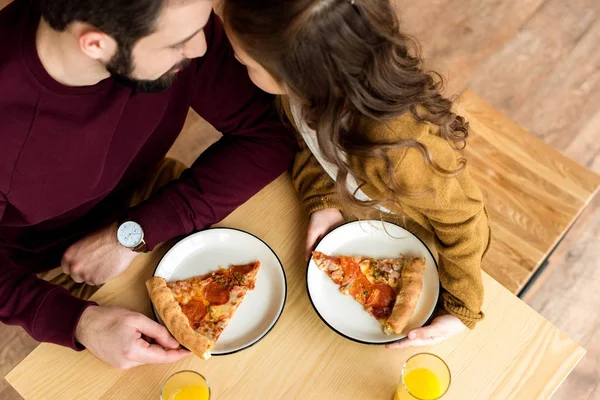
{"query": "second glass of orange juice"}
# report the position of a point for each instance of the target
(425, 376)
(185, 385)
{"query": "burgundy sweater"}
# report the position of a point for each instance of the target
(70, 156)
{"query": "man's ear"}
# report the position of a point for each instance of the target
(97, 44)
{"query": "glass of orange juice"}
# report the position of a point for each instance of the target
(425, 376)
(185, 385)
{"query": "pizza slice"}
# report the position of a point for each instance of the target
(197, 310)
(388, 289)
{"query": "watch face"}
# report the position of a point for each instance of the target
(130, 234)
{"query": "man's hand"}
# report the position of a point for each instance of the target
(320, 223)
(97, 257)
(441, 328)
(117, 336)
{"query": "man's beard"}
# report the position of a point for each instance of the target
(121, 67)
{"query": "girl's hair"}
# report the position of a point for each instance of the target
(344, 60)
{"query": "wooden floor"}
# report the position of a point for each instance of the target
(538, 62)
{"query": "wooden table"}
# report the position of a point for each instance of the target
(513, 354)
(533, 193)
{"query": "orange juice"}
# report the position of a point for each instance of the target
(185, 385)
(423, 384)
(425, 376)
(192, 393)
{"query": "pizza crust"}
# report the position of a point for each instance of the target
(176, 321)
(408, 296)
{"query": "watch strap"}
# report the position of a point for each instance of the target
(141, 248)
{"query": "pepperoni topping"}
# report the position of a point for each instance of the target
(195, 311)
(381, 296)
(216, 293)
(378, 298)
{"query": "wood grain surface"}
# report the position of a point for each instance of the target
(457, 37)
(513, 353)
(546, 76)
(567, 295)
(542, 62)
(533, 193)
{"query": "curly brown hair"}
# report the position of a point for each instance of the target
(344, 61)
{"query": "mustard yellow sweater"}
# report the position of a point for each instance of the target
(453, 212)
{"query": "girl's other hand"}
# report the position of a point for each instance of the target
(441, 328)
(320, 223)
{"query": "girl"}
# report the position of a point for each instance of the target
(377, 133)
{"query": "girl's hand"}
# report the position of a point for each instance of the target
(320, 223)
(441, 328)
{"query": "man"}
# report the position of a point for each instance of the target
(92, 95)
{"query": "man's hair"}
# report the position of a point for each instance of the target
(126, 21)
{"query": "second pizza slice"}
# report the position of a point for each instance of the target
(388, 289)
(197, 310)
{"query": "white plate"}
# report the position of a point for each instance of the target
(203, 252)
(375, 239)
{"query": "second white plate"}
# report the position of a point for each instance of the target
(375, 239)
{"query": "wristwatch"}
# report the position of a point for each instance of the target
(131, 235)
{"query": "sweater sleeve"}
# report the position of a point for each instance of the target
(256, 148)
(316, 188)
(454, 207)
(47, 312)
